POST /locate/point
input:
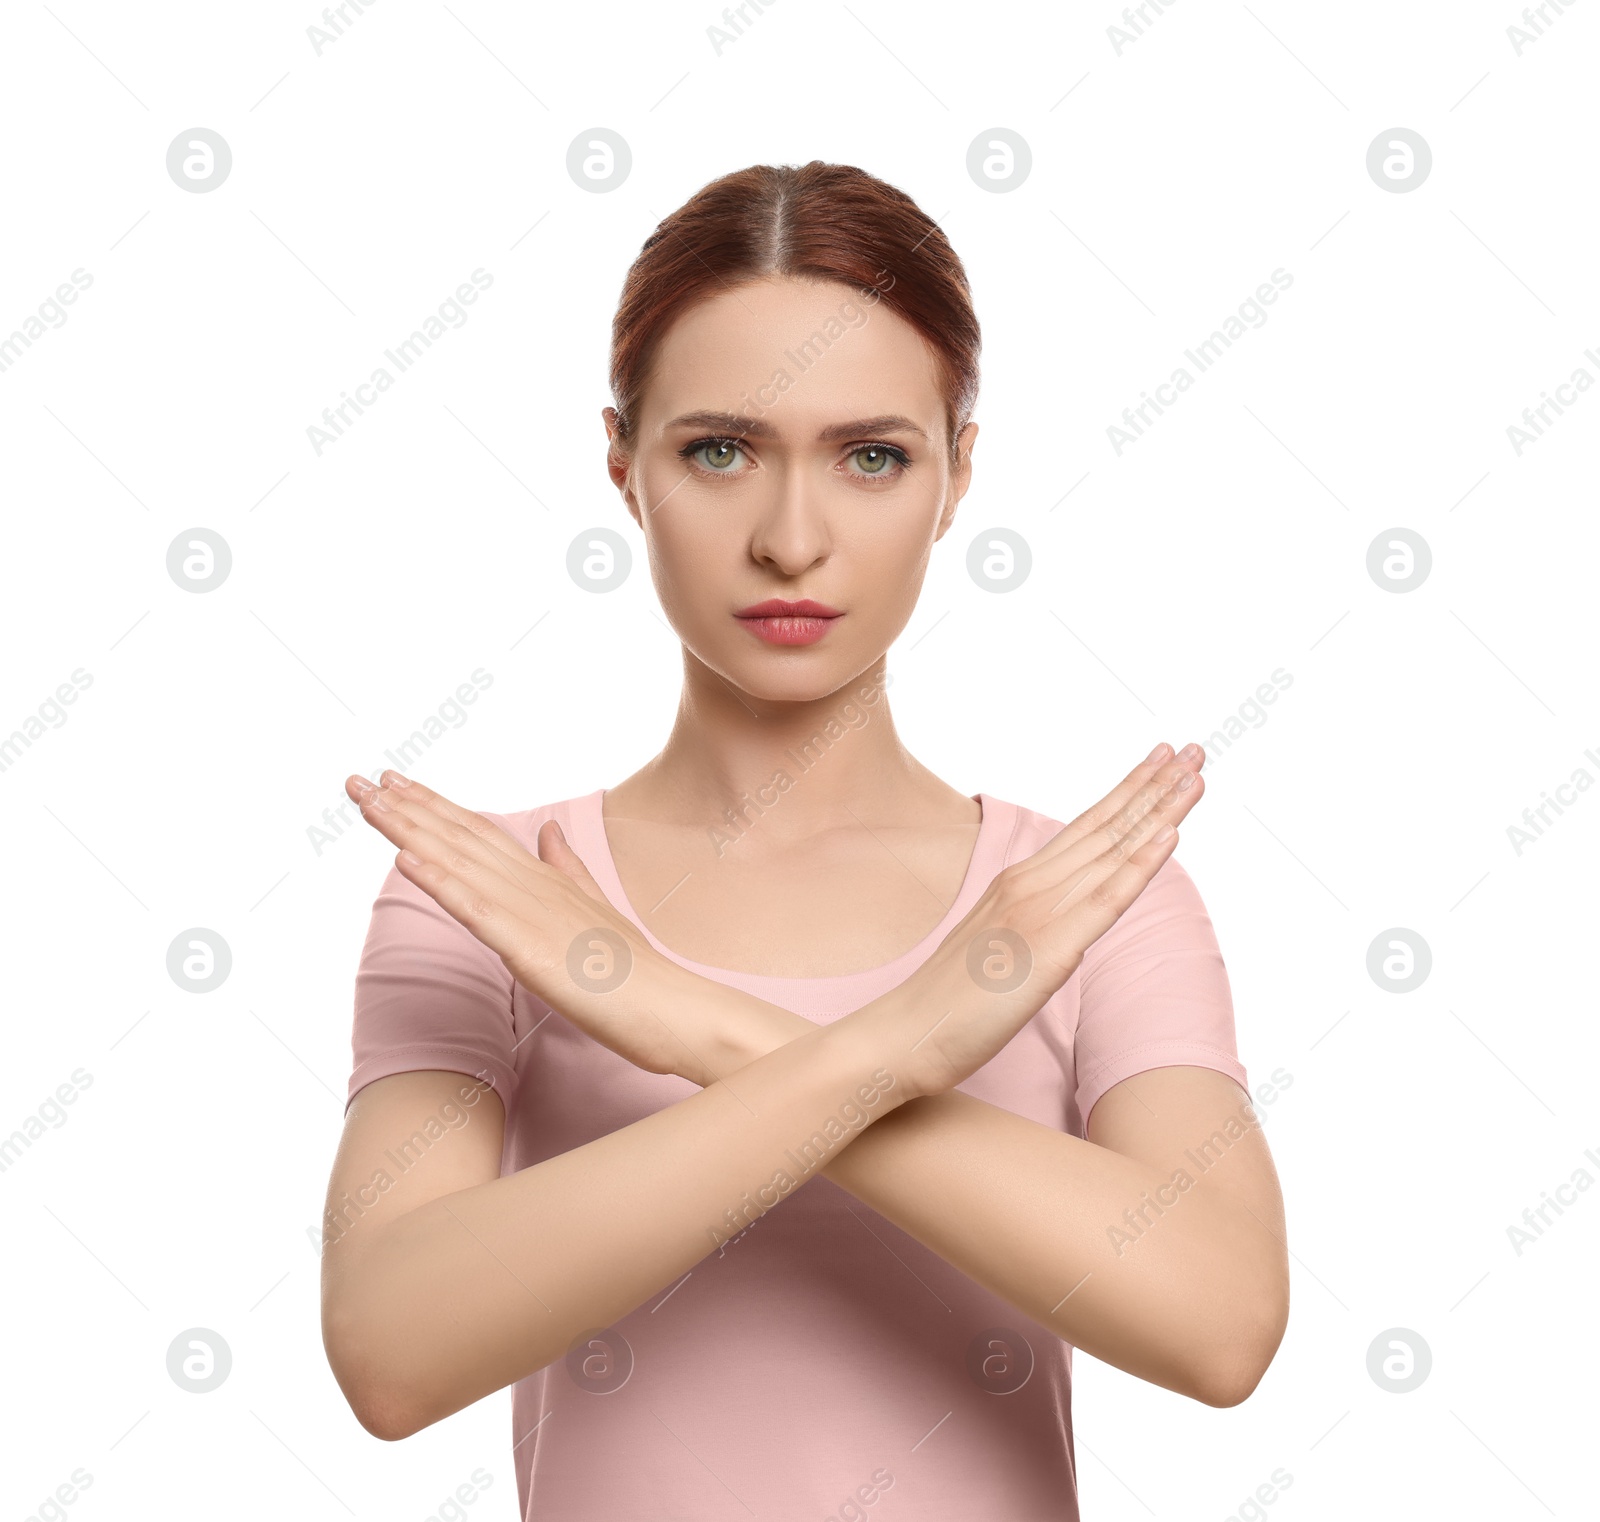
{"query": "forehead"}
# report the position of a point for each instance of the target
(800, 353)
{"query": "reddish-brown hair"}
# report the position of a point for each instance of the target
(814, 221)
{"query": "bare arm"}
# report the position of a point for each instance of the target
(1183, 1284)
(454, 1283)
(406, 1355)
(1191, 1293)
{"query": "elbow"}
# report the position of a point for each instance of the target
(382, 1416)
(1229, 1385)
(1230, 1375)
(376, 1397)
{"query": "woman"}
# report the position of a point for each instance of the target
(583, 1146)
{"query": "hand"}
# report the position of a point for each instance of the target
(538, 913)
(1029, 930)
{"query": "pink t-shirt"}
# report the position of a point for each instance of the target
(823, 1364)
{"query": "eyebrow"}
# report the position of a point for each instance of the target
(736, 425)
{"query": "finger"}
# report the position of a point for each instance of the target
(1152, 807)
(449, 824)
(551, 848)
(419, 801)
(1096, 856)
(1146, 789)
(1167, 765)
(458, 851)
(495, 911)
(1106, 894)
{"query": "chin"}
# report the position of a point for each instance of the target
(777, 673)
(781, 678)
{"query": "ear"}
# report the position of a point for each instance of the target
(618, 464)
(960, 477)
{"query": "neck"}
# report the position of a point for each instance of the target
(733, 758)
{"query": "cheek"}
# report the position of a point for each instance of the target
(897, 546)
(691, 558)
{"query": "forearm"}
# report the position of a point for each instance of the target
(461, 1296)
(1077, 1236)
(1039, 1217)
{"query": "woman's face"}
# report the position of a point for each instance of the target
(791, 443)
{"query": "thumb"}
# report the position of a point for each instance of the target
(556, 852)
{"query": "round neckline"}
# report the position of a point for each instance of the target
(981, 867)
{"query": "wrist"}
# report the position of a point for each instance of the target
(738, 1027)
(674, 1025)
(888, 1033)
(861, 1046)
(715, 1029)
(904, 1026)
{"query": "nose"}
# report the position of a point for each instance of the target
(791, 531)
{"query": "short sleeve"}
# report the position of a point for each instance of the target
(1154, 992)
(429, 994)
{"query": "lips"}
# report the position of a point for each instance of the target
(778, 607)
(780, 621)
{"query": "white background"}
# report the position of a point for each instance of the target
(1168, 180)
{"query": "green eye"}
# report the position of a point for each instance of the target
(881, 462)
(716, 454)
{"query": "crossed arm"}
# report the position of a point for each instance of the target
(1037, 1216)
(452, 1284)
